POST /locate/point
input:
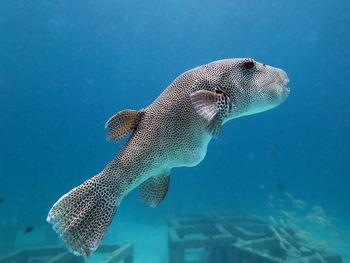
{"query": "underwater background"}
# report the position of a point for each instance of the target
(67, 66)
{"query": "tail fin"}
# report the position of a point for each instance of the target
(81, 217)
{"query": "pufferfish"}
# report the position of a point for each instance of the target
(173, 131)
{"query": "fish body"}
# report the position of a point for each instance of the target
(173, 131)
(28, 229)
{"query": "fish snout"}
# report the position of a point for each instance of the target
(283, 85)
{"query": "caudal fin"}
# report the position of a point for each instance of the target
(81, 217)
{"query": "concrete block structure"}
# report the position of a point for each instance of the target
(115, 253)
(238, 238)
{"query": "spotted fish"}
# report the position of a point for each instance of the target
(173, 131)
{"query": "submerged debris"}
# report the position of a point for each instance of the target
(282, 187)
(304, 231)
(299, 203)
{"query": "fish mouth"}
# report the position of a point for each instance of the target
(284, 80)
(284, 90)
(285, 85)
(281, 89)
(281, 86)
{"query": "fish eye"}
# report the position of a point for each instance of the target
(249, 64)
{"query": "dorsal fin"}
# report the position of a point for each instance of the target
(154, 189)
(122, 123)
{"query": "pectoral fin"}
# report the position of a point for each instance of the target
(212, 106)
(205, 103)
(154, 190)
(121, 124)
(214, 126)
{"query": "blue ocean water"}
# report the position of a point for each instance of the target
(67, 66)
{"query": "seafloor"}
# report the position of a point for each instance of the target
(149, 236)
